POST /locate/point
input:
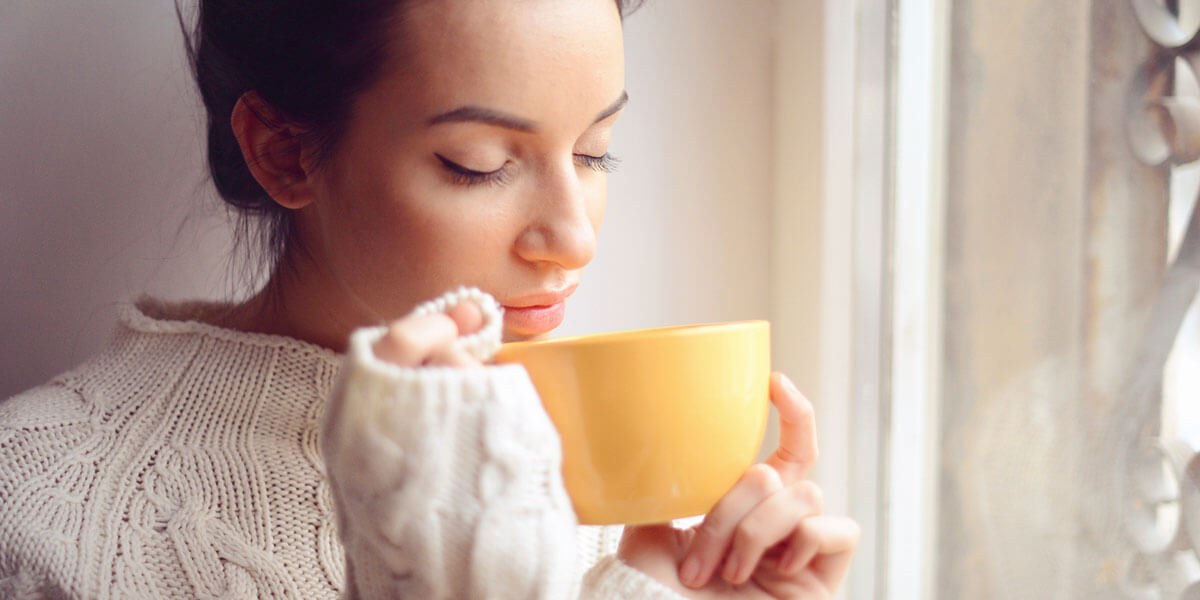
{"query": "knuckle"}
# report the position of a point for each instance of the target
(401, 338)
(762, 479)
(703, 532)
(706, 544)
(811, 494)
(790, 457)
(708, 532)
(451, 356)
(748, 533)
(854, 532)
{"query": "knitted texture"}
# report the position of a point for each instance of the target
(180, 462)
(183, 461)
(611, 579)
(453, 478)
(484, 343)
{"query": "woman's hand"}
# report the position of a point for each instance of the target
(428, 340)
(767, 538)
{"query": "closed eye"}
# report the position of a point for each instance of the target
(605, 163)
(463, 176)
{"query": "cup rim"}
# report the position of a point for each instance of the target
(589, 339)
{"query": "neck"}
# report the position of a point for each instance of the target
(301, 300)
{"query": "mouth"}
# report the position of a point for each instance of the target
(536, 314)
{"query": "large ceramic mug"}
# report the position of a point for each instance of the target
(656, 424)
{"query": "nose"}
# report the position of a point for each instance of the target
(560, 230)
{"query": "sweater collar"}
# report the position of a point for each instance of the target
(150, 315)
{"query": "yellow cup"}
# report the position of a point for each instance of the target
(656, 424)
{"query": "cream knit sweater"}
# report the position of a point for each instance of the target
(183, 461)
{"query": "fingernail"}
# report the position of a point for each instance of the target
(731, 569)
(690, 571)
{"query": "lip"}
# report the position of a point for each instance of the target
(538, 313)
(541, 299)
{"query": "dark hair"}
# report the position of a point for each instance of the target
(306, 59)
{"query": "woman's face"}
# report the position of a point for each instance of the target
(478, 158)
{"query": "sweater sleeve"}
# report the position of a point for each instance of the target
(39, 429)
(447, 484)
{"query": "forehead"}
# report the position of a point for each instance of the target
(540, 59)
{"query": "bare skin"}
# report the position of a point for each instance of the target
(490, 173)
(396, 217)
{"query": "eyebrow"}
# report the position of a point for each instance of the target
(487, 116)
(613, 108)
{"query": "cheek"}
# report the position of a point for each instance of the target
(381, 228)
(421, 233)
(391, 210)
(597, 201)
(428, 237)
(413, 251)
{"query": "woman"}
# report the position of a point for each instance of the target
(393, 150)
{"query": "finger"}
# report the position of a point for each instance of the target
(653, 549)
(797, 452)
(772, 521)
(467, 316)
(824, 544)
(450, 355)
(411, 340)
(713, 535)
(833, 559)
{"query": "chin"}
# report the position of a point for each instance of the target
(512, 336)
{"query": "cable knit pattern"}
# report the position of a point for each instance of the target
(183, 461)
(180, 462)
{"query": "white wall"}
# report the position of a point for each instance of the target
(100, 177)
(102, 190)
(686, 234)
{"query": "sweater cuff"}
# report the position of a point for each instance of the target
(446, 480)
(442, 399)
(481, 345)
(611, 579)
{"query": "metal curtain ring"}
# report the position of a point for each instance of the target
(1165, 28)
(1144, 124)
(1181, 127)
(1189, 498)
(1153, 522)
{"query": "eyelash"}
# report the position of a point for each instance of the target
(460, 175)
(605, 163)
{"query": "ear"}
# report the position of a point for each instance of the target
(274, 152)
